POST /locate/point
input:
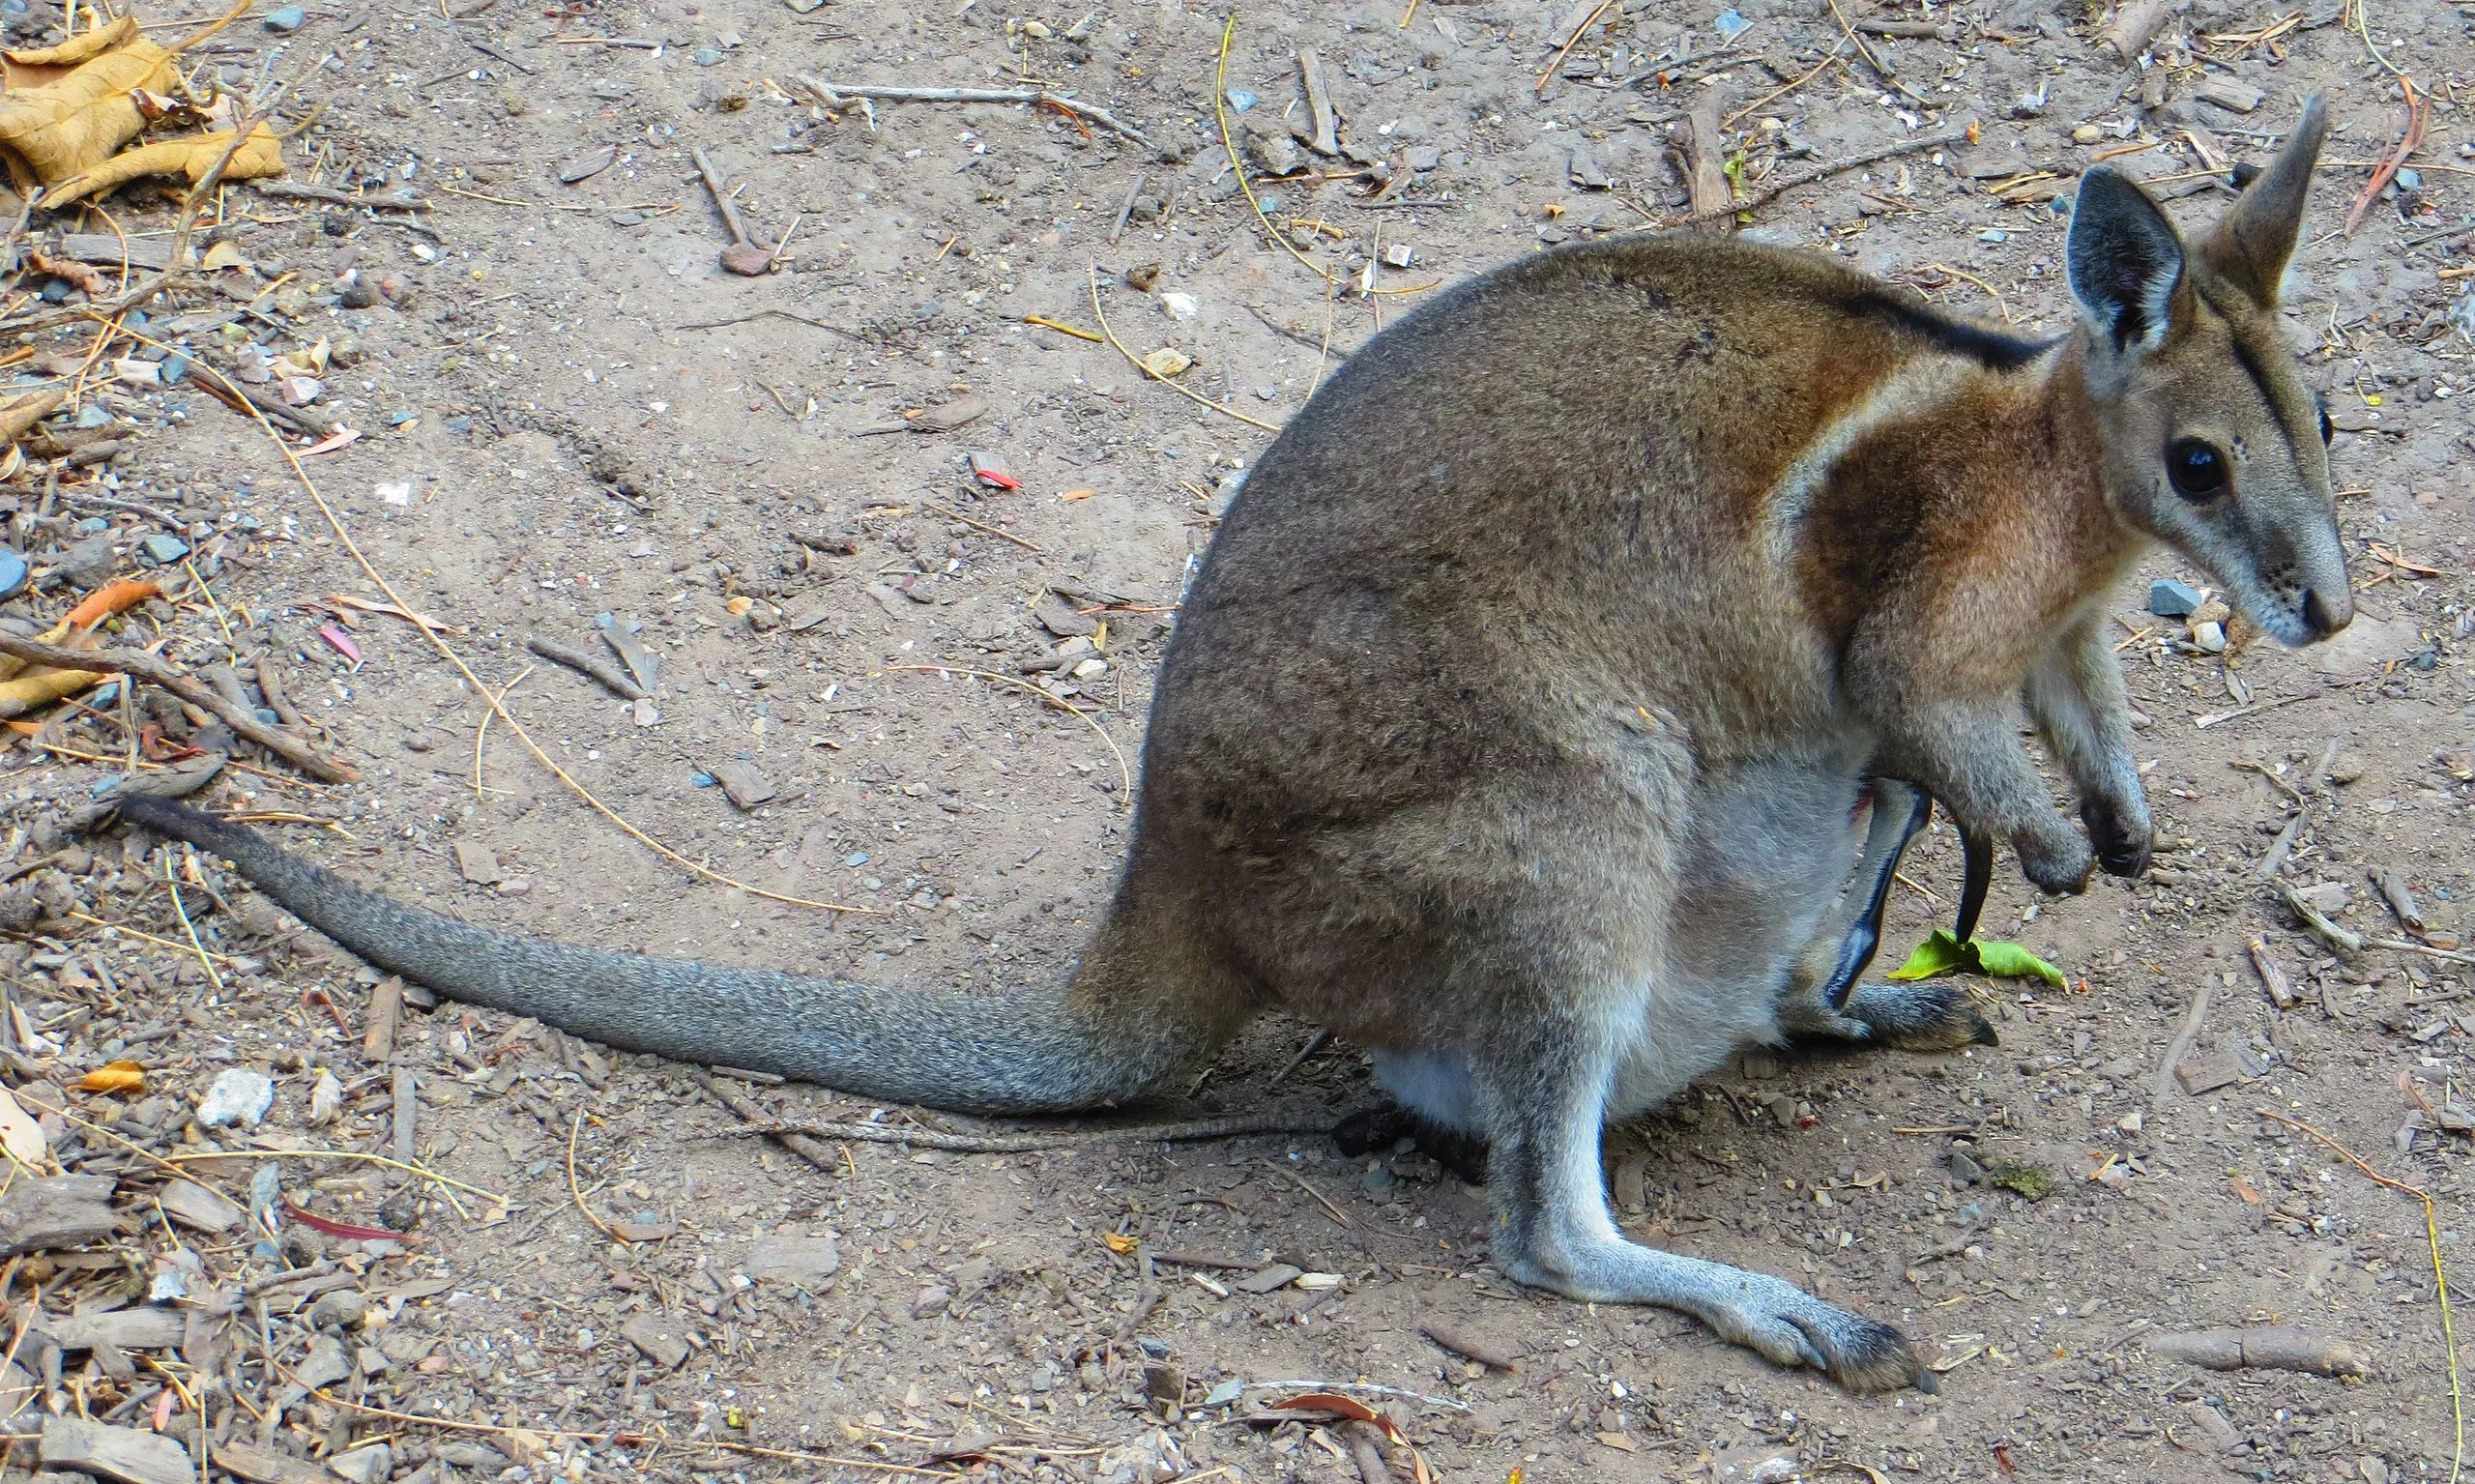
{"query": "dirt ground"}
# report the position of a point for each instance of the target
(567, 409)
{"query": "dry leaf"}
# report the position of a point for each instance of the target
(78, 48)
(225, 255)
(45, 686)
(114, 1077)
(19, 1134)
(192, 157)
(18, 418)
(1120, 1243)
(1167, 362)
(89, 279)
(61, 128)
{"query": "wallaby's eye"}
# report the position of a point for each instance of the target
(2197, 470)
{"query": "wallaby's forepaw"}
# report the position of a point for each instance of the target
(2054, 858)
(1938, 1016)
(1788, 1326)
(2121, 833)
(1373, 1130)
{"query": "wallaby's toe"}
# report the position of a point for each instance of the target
(1865, 1356)
(1788, 1327)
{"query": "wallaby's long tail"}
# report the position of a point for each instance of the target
(971, 1053)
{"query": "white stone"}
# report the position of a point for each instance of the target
(1180, 307)
(237, 1096)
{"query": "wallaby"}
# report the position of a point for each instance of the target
(1516, 726)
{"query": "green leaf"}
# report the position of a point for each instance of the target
(1940, 953)
(2010, 961)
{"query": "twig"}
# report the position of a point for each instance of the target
(749, 1107)
(1220, 112)
(1300, 1181)
(835, 92)
(574, 1128)
(1003, 536)
(2344, 940)
(146, 667)
(171, 879)
(586, 665)
(1180, 388)
(1570, 42)
(1314, 1043)
(1241, 1126)
(1125, 774)
(1126, 209)
(722, 201)
(2440, 1279)
(2181, 1044)
(2417, 115)
(1873, 60)
(1775, 189)
(797, 319)
(482, 729)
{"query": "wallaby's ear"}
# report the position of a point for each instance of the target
(2125, 261)
(2250, 244)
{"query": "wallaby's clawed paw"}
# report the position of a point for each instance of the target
(1920, 1017)
(2054, 858)
(1375, 1130)
(2121, 833)
(1788, 1326)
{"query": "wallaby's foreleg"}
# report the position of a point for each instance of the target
(1544, 1090)
(2076, 696)
(1962, 748)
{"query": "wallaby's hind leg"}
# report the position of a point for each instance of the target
(1545, 1088)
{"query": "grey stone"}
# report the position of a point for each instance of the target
(2168, 598)
(237, 1096)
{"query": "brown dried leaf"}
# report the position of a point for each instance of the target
(192, 157)
(61, 128)
(78, 48)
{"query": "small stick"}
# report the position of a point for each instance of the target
(1180, 388)
(2399, 896)
(1147, 1297)
(2280, 989)
(1325, 140)
(745, 256)
(2344, 940)
(1459, 1344)
(148, 667)
(1713, 196)
(1567, 50)
(576, 1127)
(1125, 211)
(2181, 1044)
(270, 686)
(749, 1107)
(1314, 1043)
(1300, 1181)
(1775, 189)
(2135, 27)
(835, 92)
(1002, 536)
(586, 665)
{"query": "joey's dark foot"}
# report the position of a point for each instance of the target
(1930, 1016)
(1374, 1130)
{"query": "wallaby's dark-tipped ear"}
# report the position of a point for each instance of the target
(2250, 244)
(2125, 260)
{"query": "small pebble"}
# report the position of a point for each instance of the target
(162, 550)
(237, 1096)
(705, 56)
(2172, 599)
(13, 573)
(2211, 637)
(286, 20)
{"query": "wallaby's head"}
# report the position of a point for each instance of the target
(2212, 442)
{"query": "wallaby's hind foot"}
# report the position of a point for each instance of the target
(1373, 1130)
(1933, 1016)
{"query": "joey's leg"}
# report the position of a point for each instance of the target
(1544, 1090)
(1913, 1017)
(1852, 933)
(2076, 694)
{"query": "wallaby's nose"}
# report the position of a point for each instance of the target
(2326, 616)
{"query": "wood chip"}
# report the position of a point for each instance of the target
(61, 1211)
(1279, 1275)
(1325, 140)
(2280, 989)
(385, 1010)
(1460, 1344)
(2227, 94)
(140, 1328)
(745, 786)
(266, 1465)
(659, 1337)
(2199, 1075)
(121, 1453)
(478, 864)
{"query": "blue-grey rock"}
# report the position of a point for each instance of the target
(1239, 100)
(160, 550)
(287, 20)
(13, 573)
(92, 525)
(94, 415)
(2172, 599)
(705, 56)
(176, 369)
